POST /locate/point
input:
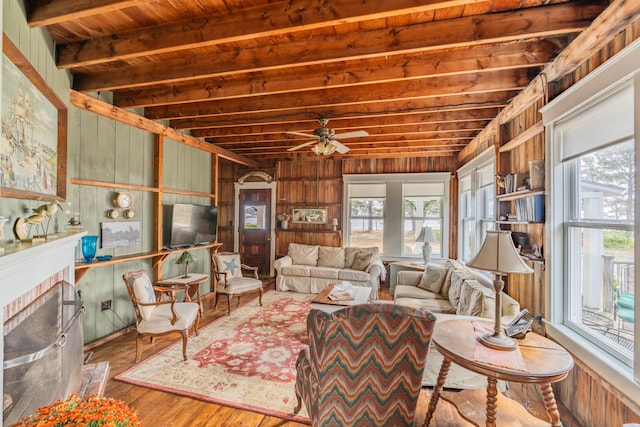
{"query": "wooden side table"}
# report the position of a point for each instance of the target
(190, 285)
(544, 362)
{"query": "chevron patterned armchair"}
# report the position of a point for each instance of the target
(364, 365)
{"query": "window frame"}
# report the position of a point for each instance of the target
(618, 71)
(394, 209)
(477, 213)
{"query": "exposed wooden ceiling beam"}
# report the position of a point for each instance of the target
(57, 11)
(423, 88)
(619, 15)
(529, 23)
(278, 18)
(337, 75)
(101, 108)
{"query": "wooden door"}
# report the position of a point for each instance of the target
(255, 228)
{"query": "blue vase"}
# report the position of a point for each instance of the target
(89, 244)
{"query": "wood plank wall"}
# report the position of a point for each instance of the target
(318, 184)
(588, 396)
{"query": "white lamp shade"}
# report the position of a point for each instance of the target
(499, 255)
(426, 235)
(334, 221)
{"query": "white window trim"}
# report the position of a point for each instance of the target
(398, 214)
(622, 67)
(470, 169)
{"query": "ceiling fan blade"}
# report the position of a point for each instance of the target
(340, 147)
(354, 134)
(302, 145)
(306, 135)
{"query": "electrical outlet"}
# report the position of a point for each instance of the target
(105, 305)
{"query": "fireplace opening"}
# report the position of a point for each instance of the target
(43, 352)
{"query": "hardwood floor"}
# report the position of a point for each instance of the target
(161, 409)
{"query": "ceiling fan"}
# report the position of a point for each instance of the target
(326, 140)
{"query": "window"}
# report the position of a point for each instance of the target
(475, 203)
(366, 215)
(422, 204)
(388, 211)
(593, 148)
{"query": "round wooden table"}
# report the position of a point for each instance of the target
(537, 360)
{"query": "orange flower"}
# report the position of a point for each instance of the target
(92, 411)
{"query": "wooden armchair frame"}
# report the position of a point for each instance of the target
(221, 278)
(182, 329)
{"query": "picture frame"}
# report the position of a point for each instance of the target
(33, 140)
(309, 215)
(117, 234)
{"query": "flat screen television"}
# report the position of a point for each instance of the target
(185, 225)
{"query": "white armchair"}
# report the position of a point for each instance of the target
(231, 280)
(155, 317)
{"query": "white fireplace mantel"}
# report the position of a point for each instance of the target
(25, 265)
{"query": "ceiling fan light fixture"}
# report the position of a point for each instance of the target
(323, 148)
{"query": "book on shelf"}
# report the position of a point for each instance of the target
(531, 208)
(515, 182)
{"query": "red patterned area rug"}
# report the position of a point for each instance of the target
(245, 360)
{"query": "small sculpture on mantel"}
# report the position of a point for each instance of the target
(41, 213)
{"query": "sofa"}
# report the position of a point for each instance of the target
(452, 291)
(310, 268)
(452, 288)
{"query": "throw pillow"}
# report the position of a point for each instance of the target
(331, 257)
(361, 261)
(143, 290)
(229, 264)
(433, 278)
(350, 253)
(303, 254)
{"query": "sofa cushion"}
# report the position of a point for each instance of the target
(433, 277)
(361, 261)
(408, 291)
(433, 305)
(324, 272)
(296, 270)
(457, 278)
(452, 265)
(350, 253)
(356, 275)
(303, 254)
(330, 257)
(473, 298)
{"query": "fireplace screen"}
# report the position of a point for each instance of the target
(43, 352)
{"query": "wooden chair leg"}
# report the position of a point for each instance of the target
(260, 298)
(197, 324)
(185, 338)
(228, 304)
(138, 347)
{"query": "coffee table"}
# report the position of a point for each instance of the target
(537, 360)
(324, 303)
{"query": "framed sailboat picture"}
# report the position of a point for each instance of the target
(33, 141)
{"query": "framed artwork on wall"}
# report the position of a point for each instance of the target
(310, 216)
(116, 234)
(33, 141)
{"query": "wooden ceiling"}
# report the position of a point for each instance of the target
(422, 77)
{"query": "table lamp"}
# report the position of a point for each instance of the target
(499, 256)
(426, 235)
(334, 224)
(185, 259)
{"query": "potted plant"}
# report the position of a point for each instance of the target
(284, 220)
